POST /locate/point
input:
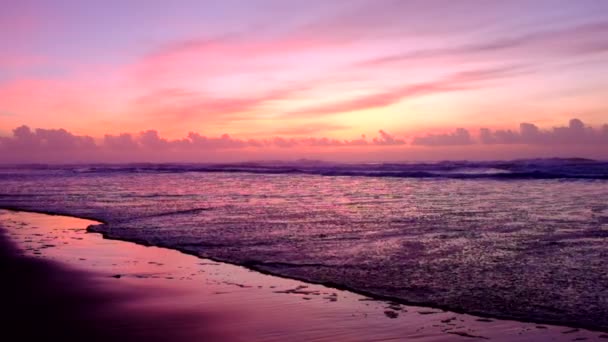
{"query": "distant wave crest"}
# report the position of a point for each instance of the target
(558, 168)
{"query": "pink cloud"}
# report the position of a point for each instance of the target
(371, 101)
(180, 104)
(221, 56)
(577, 40)
(460, 81)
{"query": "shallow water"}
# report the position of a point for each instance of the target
(166, 295)
(525, 248)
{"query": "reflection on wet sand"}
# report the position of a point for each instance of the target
(123, 291)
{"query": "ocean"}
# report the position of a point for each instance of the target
(525, 239)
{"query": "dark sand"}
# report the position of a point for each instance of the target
(44, 300)
(63, 284)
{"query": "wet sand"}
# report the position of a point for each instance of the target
(67, 284)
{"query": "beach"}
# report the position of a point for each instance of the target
(70, 284)
(267, 170)
(528, 250)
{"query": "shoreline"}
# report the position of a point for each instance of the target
(47, 299)
(340, 287)
(382, 303)
(370, 295)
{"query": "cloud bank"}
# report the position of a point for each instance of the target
(576, 133)
(460, 136)
(27, 145)
(59, 145)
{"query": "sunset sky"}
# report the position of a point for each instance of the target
(346, 80)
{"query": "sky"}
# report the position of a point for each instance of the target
(346, 80)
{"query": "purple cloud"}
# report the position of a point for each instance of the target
(46, 140)
(460, 136)
(42, 145)
(387, 139)
(576, 133)
(573, 41)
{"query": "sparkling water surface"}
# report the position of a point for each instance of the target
(529, 248)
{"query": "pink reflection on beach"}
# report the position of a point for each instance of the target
(240, 303)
